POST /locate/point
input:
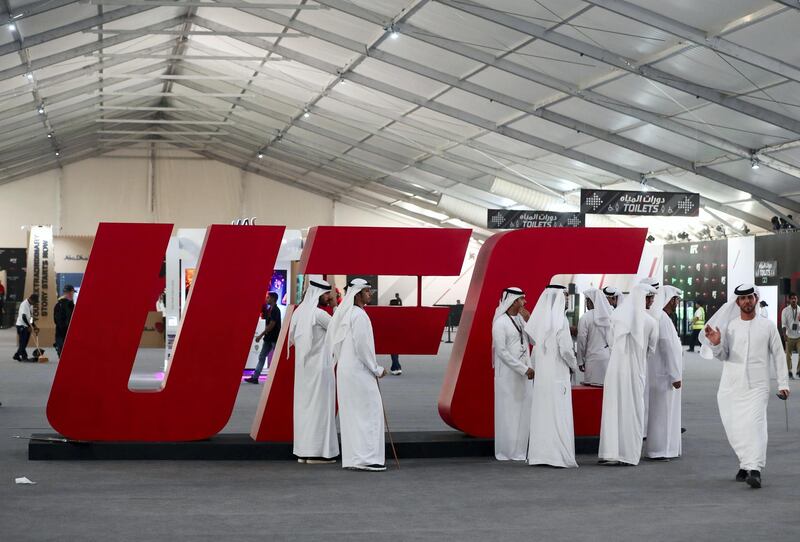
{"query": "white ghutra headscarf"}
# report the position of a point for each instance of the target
(723, 317)
(507, 298)
(303, 316)
(629, 318)
(602, 308)
(340, 322)
(659, 302)
(547, 318)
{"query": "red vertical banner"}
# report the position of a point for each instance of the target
(337, 250)
(90, 398)
(526, 258)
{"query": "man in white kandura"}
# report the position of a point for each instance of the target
(352, 344)
(751, 348)
(654, 310)
(552, 433)
(512, 377)
(613, 295)
(635, 334)
(594, 337)
(315, 439)
(664, 374)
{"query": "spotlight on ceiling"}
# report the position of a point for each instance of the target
(41, 110)
(754, 163)
(683, 236)
(260, 155)
(650, 238)
(11, 26)
(306, 114)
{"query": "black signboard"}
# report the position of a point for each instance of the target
(622, 202)
(506, 219)
(766, 269)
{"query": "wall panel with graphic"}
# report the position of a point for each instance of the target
(700, 270)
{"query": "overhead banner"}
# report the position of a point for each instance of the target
(622, 202)
(506, 219)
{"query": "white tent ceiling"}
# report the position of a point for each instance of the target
(435, 109)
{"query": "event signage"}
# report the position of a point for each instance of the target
(625, 202)
(766, 269)
(511, 219)
(198, 394)
(40, 279)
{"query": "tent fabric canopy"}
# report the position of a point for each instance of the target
(397, 103)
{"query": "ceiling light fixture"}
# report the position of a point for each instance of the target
(754, 163)
(41, 109)
(29, 76)
(11, 26)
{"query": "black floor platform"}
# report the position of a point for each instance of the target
(427, 444)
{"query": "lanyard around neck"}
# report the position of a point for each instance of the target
(519, 329)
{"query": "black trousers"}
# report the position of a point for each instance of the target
(694, 340)
(23, 335)
(60, 338)
(395, 363)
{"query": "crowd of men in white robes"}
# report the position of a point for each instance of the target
(631, 348)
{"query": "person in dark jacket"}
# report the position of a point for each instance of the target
(62, 314)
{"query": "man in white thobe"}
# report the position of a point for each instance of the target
(594, 337)
(654, 310)
(635, 334)
(512, 377)
(352, 344)
(613, 295)
(552, 439)
(315, 439)
(751, 349)
(664, 374)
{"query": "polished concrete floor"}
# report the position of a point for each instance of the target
(460, 499)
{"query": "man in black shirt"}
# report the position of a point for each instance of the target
(62, 314)
(269, 335)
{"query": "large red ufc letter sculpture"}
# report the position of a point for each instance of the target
(90, 399)
(528, 259)
(398, 330)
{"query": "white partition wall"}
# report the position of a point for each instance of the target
(741, 262)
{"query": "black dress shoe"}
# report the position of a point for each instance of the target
(251, 380)
(754, 479)
(741, 476)
(16, 357)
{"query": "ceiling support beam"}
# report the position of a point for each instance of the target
(700, 37)
(687, 165)
(592, 51)
(563, 87)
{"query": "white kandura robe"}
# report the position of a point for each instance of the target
(512, 389)
(315, 395)
(360, 406)
(552, 440)
(664, 366)
(593, 349)
(750, 350)
(623, 418)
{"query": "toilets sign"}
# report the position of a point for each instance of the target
(623, 202)
(90, 399)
